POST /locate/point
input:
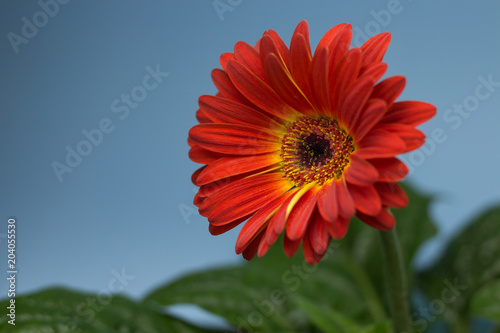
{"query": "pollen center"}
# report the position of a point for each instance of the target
(315, 149)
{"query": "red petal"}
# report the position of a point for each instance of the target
(373, 111)
(258, 92)
(379, 143)
(375, 47)
(383, 221)
(374, 70)
(299, 217)
(392, 195)
(409, 113)
(318, 234)
(226, 87)
(234, 139)
(412, 137)
(360, 172)
(242, 197)
(327, 201)
(291, 246)
(282, 215)
(311, 257)
(318, 80)
(389, 169)
(277, 46)
(300, 61)
(196, 174)
(251, 249)
(340, 43)
(202, 117)
(300, 57)
(345, 202)
(339, 227)
(331, 35)
(389, 89)
(343, 76)
(201, 155)
(366, 199)
(224, 59)
(230, 166)
(282, 82)
(218, 230)
(246, 55)
(258, 222)
(223, 110)
(351, 105)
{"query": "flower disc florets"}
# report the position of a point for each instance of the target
(315, 149)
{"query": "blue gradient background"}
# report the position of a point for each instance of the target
(121, 208)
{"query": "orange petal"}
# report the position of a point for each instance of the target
(234, 139)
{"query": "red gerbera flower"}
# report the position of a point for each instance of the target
(301, 142)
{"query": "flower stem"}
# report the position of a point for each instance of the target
(396, 278)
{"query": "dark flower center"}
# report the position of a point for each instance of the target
(315, 149)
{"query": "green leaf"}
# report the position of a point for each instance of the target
(383, 327)
(326, 319)
(62, 310)
(486, 301)
(470, 262)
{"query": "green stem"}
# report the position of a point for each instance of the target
(371, 297)
(396, 278)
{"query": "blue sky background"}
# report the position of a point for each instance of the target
(128, 204)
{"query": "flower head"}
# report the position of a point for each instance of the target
(300, 142)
